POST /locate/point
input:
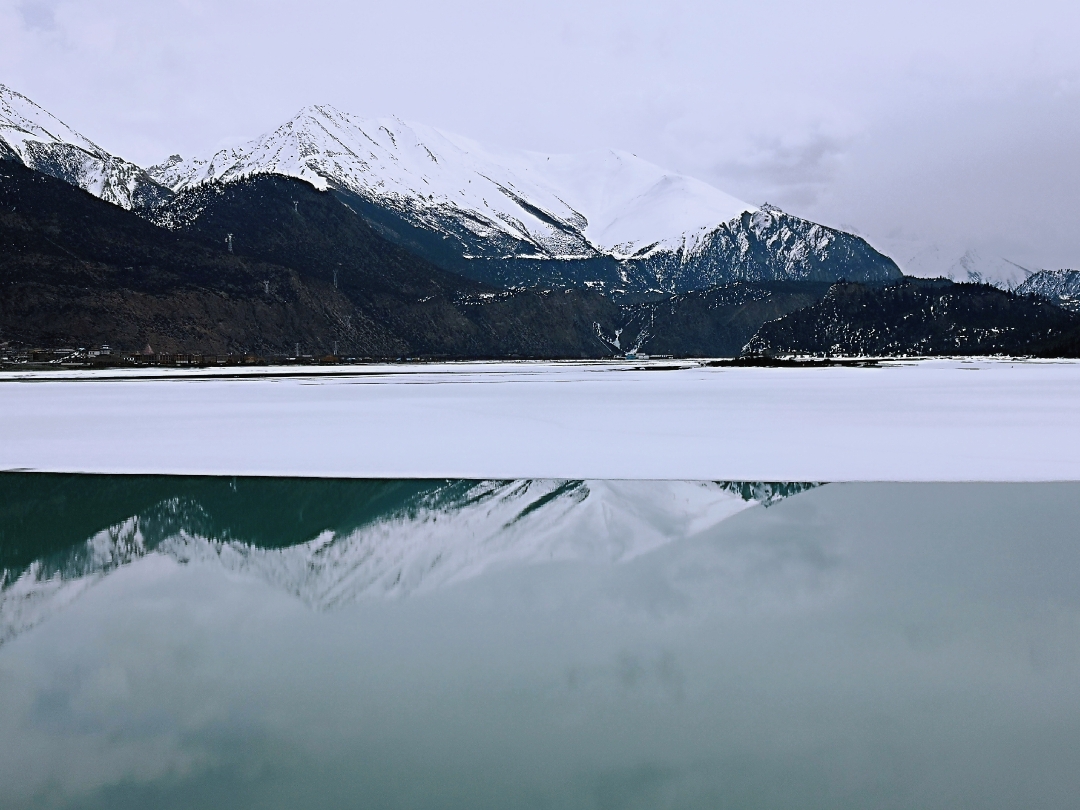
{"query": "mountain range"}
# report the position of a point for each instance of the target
(380, 238)
(515, 218)
(606, 219)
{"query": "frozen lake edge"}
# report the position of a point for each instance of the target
(929, 420)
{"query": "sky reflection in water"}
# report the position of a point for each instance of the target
(272, 643)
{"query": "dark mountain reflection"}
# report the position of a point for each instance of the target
(330, 541)
(44, 514)
(538, 644)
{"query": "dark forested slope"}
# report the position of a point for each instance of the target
(713, 323)
(303, 269)
(917, 317)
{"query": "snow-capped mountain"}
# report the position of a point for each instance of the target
(452, 532)
(1060, 286)
(962, 265)
(521, 218)
(558, 206)
(43, 142)
(605, 219)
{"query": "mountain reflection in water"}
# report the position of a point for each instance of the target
(264, 643)
(333, 541)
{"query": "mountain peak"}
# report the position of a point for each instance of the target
(556, 206)
(41, 141)
(23, 122)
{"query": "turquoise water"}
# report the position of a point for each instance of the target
(175, 642)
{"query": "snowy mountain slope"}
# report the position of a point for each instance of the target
(452, 533)
(628, 204)
(41, 141)
(1060, 286)
(560, 206)
(520, 218)
(958, 264)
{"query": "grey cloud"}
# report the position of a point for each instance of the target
(791, 173)
(38, 15)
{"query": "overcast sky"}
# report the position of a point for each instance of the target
(947, 122)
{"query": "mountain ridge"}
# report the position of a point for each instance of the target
(920, 317)
(1060, 286)
(41, 141)
(387, 239)
(606, 220)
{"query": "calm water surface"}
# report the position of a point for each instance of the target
(235, 643)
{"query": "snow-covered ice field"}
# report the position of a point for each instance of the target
(944, 420)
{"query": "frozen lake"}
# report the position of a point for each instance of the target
(945, 420)
(268, 643)
(493, 585)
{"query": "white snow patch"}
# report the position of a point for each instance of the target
(941, 420)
